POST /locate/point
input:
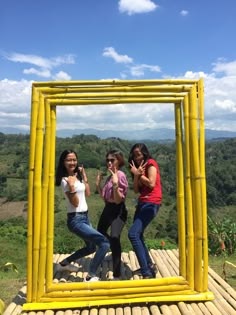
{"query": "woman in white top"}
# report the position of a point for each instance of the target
(75, 186)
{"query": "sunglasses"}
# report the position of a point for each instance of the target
(110, 160)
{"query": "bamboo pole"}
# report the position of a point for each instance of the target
(114, 82)
(196, 190)
(180, 190)
(119, 291)
(30, 232)
(101, 89)
(50, 236)
(190, 230)
(115, 101)
(119, 94)
(37, 196)
(168, 298)
(44, 203)
(124, 296)
(116, 284)
(203, 184)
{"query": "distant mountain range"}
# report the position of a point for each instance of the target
(162, 134)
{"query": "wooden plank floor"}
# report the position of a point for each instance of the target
(167, 262)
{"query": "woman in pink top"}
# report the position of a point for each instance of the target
(114, 214)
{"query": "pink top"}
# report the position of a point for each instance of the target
(151, 195)
(107, 190)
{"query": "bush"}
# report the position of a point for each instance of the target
(160, 244)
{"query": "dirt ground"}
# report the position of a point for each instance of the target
(12, 209)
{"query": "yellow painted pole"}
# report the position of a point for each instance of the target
(146, 299)
(115, 101)
(116, 284)
(180, 190)
(190, 231)
(93, 294)
(196, 189)
(30, 232)
(119, 94)
(203, 184)
(114, 83)
(44, 203)
(124, 295)
(101, 89)
(37, 196)
(50, 235)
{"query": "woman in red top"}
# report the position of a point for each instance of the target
(146, 182)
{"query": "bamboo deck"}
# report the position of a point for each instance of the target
(167, 262)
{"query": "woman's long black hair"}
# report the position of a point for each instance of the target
(61, 169)
(142, 147)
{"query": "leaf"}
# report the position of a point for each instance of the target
(9, 264)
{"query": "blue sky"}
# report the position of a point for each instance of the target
(111, 39)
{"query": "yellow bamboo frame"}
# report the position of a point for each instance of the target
(192, 282)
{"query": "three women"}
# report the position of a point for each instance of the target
(146, 182)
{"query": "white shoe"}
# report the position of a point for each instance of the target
(69, 268)
(91, 279)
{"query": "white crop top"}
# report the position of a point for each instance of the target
(80, 189)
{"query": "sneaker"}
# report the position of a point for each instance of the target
(91, 279)
(114, 279)
(68, 268)
(153, 267)
(148, 277)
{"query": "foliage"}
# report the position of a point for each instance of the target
(221, 236)
(220, 164)
(160, 244)
(14, 229)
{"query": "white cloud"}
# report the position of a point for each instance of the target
(45, 65)
(110, 52)
(228, 68)
(138, 6)
(39, 61)
(45, 73)
(184, 12)
(219, 96)
(15, 104)
(139, 70)
(62, 76)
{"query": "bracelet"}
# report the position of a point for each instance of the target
(72, 192)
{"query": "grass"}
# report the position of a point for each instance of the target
(10, 280)
(13, 250)
(223, 266)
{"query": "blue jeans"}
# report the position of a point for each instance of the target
(145, 213)
(78, 223)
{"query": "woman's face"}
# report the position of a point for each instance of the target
(138, 156)
(112, 162)
(70, 163)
